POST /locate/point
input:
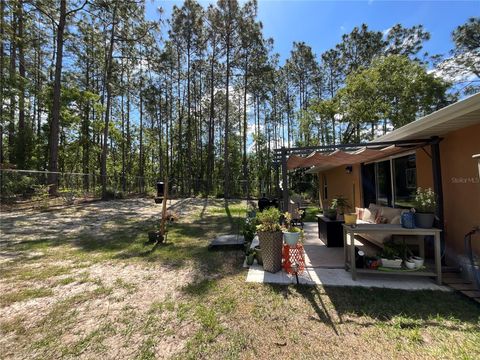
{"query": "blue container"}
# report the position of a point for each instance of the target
(408, 220)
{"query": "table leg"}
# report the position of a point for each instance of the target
(438, 259)
(352, 256)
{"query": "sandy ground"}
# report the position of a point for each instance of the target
(113, 298)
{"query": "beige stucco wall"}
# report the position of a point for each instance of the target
(460, 181)
(461, 185)
(341, 183)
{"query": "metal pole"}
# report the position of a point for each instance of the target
(284, 179)
(437, 179)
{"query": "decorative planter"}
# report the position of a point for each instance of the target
(394, 264)
(250, 259)
(408, 220)
(424, 220)
(350, 219)
(409, 264)
(418, 261)
(271, 244)
(291, 238)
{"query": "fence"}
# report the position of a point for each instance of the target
(20, 185)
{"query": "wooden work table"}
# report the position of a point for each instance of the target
(350, 231)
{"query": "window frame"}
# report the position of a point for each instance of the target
(392, 172)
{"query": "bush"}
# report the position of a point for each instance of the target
(14, 185)
(112, 194)
(269, 220)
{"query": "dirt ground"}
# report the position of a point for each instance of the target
(71, 297)
(79, 282)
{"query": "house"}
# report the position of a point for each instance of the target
(436, 151)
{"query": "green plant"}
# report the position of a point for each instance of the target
(392, 250)
(249, 229)
(340, 203)
(269, 220)
(425, 200)
(41, 196)
(288, 226)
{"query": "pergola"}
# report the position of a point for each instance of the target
(330, 156)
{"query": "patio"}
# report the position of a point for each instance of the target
(325, 266)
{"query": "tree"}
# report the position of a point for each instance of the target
(394, 90)
(463, 65)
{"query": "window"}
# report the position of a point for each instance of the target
(405, 181)
(384, 183)
(390, 182)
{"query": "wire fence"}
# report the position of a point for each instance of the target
(30, 185)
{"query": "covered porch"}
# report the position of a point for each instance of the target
(326, 266)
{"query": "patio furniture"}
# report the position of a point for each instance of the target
(350, 231)
(294, 210)
(330, 231)
(293, 255)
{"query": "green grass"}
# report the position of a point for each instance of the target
(311, 213)
(216, 314)
(23, 295)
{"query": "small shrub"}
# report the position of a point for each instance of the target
(269, 220)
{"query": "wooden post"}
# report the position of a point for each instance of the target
(164, 208)
(284, 179)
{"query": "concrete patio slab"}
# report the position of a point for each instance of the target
(340, 277)
(325, 266)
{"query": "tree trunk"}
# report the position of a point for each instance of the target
(245, 129)
(22, 142)
(13, 98)
(55, 122)
(2, 79)
(108, 84)
(226, 163)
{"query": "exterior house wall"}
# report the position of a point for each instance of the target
(341, 183)
(461, 186)
(460, 181)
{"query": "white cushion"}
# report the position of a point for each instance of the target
(369, 216)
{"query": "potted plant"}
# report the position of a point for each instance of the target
(390, 256)
(291, 233)
(258, 255)
(340, 204)
(249, 229)
(271, 239)
(250, 257)
(330, 213)
(425, 203)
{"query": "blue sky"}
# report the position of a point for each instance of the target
(321, 23)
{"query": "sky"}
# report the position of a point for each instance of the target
(321, 23)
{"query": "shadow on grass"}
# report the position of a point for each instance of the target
(122, 237)
(417, 308)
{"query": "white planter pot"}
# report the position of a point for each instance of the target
(410, 264)
(291, 238)
(418, 261)
(394, 264)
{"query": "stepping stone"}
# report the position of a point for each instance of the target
(231, 241)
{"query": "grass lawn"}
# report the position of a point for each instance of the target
(108, 296)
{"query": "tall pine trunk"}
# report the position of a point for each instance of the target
(108, 84)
